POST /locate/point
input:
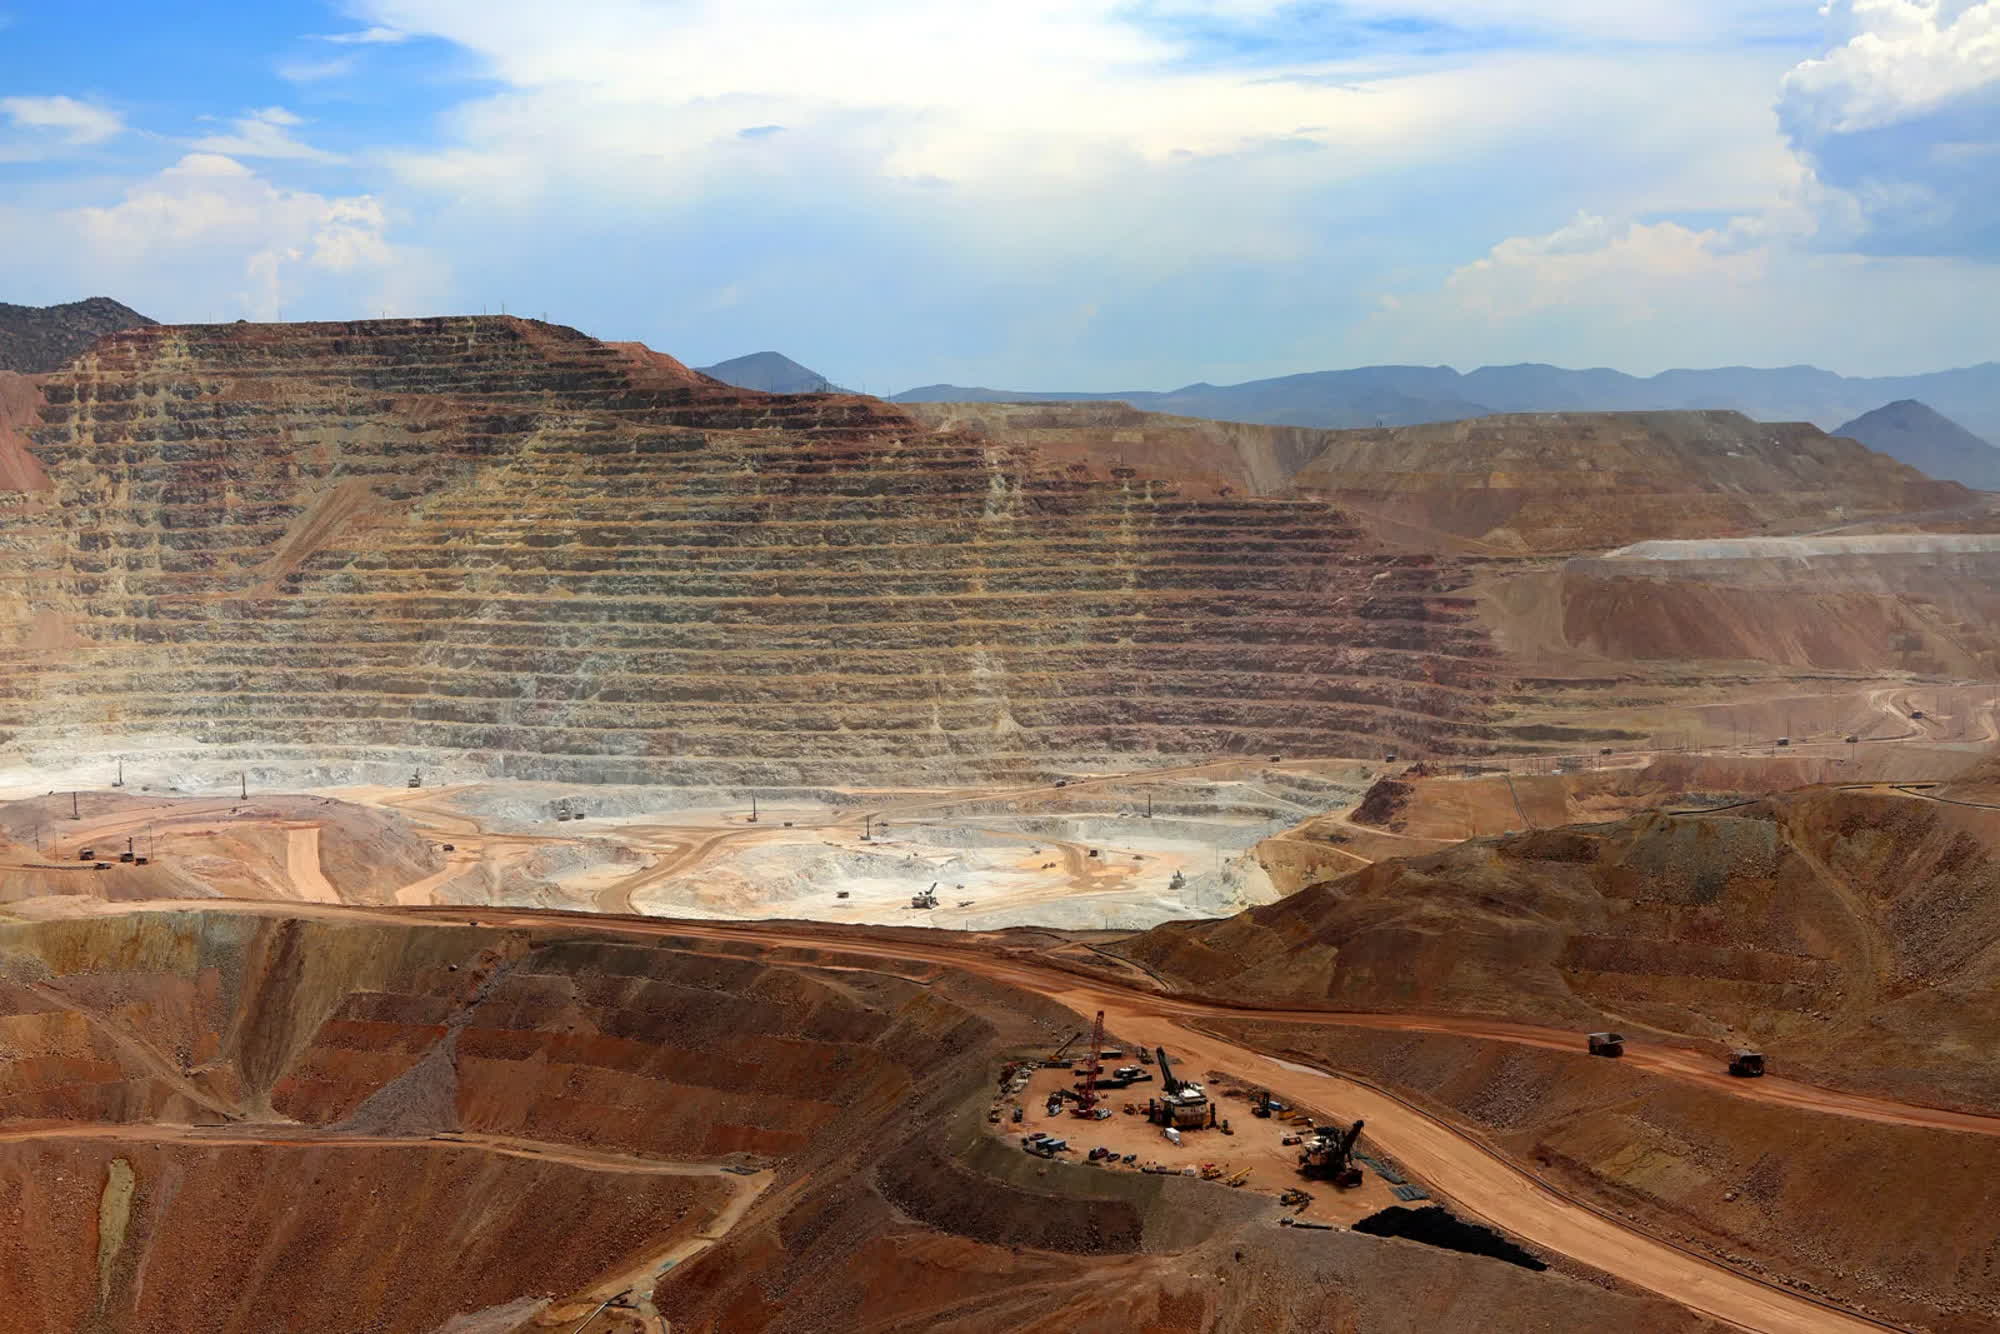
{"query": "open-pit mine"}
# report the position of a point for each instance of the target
(501, 832)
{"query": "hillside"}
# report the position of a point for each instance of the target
(771, 373)
(1572, 481)
(35, 339)
(1855, 932)
(1927, 441)
(401, 542)
(1414, 395)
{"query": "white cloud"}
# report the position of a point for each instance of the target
(265, 133)
(316, 71)
(1902, 117)
(256, 247)
(77, 122)
(376, 36)
(1625, 268)
(1900, 59)
(1649, 296)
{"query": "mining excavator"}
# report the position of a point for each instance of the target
(927, 899)
(1329, 1156)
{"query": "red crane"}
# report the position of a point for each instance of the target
(1086, 1098)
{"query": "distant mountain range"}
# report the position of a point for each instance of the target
(1924, 439)
(771, 372)
(1413, 395)
(38, 339)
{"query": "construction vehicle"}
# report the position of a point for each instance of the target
(1086, 1096)
(1019, 1112)
(1260, 1104)
(1145, 1057)
(1059, 1061)
(87, 855)
(1211, 1172)
(927, 899)
(1295, 1198)
(840, 893)
(1182, 1104)
(1606, 1044)
(1239, 1178)
(1329, 1156)
(1746, 1064)
(417, 780)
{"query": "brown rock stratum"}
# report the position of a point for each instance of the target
(490, 538)
(503, 549)
(248, 1121)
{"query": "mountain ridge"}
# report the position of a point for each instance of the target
(1925, 438)
(35, 340)
(1397, 395)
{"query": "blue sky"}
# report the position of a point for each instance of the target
(1086, 194)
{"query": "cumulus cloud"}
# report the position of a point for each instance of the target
(76, 122)
(258, 246)
(1902, 114)
(1620, 267)
(1648, 296)
(265, 133)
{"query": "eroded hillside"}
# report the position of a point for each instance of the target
(258, 1122)
(393, 541)
(1858, 932)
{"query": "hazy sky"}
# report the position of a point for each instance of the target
(1030, 194)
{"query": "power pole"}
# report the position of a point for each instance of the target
(243, 785)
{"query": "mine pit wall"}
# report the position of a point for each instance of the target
(1890, 1219)
(495, 545)
(247, 1239)
(819, 1073)
(1920, 603)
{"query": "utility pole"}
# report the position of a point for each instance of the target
(243, 785)
(74, 813)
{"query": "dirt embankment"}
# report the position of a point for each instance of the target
(1855, 932)
(1878, 1217)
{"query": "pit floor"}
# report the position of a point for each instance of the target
(1256, 1143)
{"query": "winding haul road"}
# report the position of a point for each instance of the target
(1478, 1179)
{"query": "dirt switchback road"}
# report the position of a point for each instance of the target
(1477, 1179)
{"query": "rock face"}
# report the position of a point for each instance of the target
(1926, 603)
(397, 542)
(1575, 481)
(1205, 457)
(1928, 441)
(1525, 484)
(34, 339)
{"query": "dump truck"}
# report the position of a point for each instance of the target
(1746, 1064)
(1607, 1044)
